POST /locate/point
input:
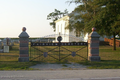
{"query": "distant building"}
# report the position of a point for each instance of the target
(67, 35)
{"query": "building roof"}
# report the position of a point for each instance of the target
(67, 16)
(63, 18)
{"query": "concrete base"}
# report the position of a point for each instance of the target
(94, 58)
(23, 59)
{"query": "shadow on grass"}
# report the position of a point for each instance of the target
(103, 64)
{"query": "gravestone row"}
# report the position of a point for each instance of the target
(5, 45)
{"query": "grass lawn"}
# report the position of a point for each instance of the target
(12, 55)
(109, 59)
(103, 64)
(15, 65)
(9, 61)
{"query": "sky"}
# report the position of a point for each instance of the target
(32, 14)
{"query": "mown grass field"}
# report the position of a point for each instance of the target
(9, 61)
(109, 59)
(12, 55)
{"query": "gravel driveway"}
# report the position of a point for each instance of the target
(48, 66)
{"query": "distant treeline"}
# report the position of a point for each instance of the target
(10, 38)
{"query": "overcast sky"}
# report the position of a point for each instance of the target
(32, 14)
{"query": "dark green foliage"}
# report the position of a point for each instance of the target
(104, 15)
(55, 16)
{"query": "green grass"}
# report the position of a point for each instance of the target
(106, 53)
(15, 65)
(9, 61)
(12, 55)
(103, 64)
(109, 59)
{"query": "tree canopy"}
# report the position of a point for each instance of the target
(104, 15)
(57, 14)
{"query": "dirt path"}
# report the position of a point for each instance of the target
(72, 66)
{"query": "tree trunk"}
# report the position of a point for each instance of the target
(114, 42)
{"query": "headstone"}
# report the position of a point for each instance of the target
(8, 41)
(93, 46)
(12, 43)
(6, 49)
(6, 45)
(1, 50)
(0, 44)
(24, 46)
(4, 42)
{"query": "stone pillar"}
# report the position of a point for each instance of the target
(23, 46)
(93, 46)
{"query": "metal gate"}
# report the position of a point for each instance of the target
(58, 52)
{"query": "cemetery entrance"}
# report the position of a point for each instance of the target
(58, 51)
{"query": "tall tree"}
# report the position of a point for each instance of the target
(55, 16)
(86, 12)
(108, 20)
(76, 20)
(102, 14)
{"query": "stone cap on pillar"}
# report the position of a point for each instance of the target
(24, 33)
(93, 29)
(23, 29)
(94, 33)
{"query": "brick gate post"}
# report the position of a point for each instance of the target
(93, 46)
(23, 46)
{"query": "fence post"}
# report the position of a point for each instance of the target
(23, 46)
(93, 46)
